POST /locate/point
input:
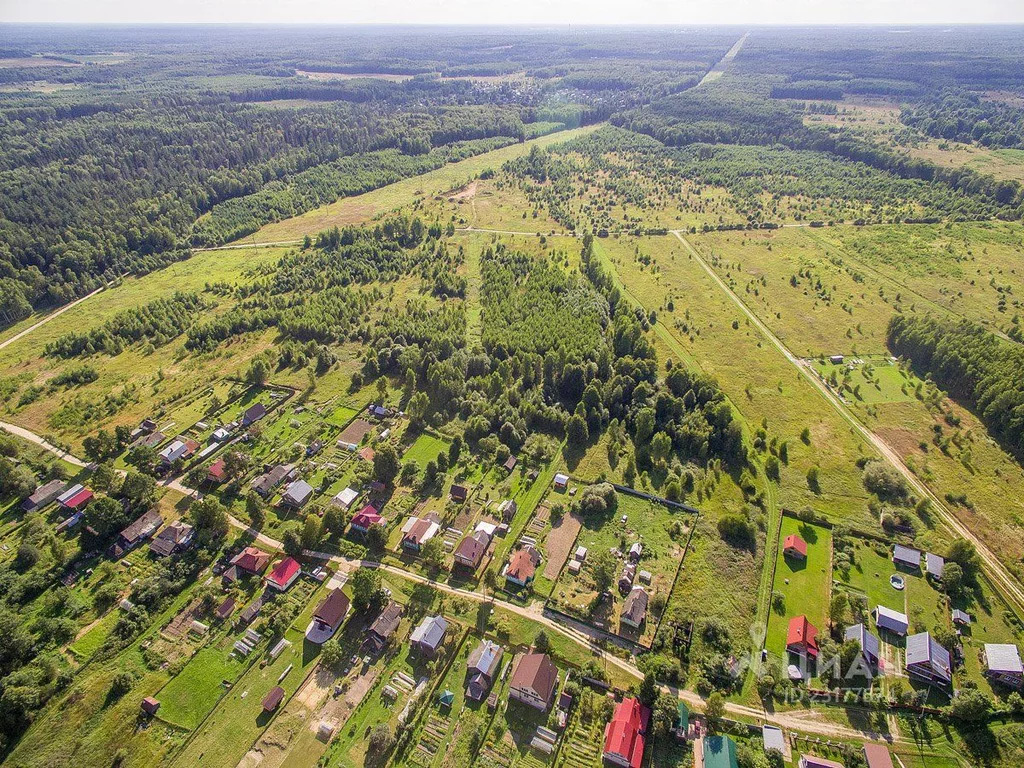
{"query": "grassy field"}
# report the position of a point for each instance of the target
(239, 719)
(425, 448)
(364, 207)
(962, 269)
(195, 691)
(762, 385)
(804, 585)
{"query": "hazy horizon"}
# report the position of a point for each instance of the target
(525, 13)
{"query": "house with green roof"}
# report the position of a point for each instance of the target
(719, 752)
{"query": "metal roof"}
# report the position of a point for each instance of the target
(887, 618)
(867, 641)
(1003, 657)
(430, 632)
(907, 555)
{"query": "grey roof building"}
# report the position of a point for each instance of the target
(869, 645)
(298, 494)
(893, 621)
(1002, 663)
(927, 660)
(484, 662)
(427, 637)
(908, 557)
(934, 565)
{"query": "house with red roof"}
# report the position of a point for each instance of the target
(251, 560)
(284, 574)
(794, 547)
(217, 473)
(522, 566)
(625, 733)
(365, 519)
(802, 637)
(75, 498)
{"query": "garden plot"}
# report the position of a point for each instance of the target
(658, 529)
(394, 699)
(356, 431)
(447, 732)
(801, 586)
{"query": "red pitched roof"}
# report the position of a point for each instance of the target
(284, 572)
(366, 517)
(80, 499)
(796, 544)
(252, 560)
(624, 734)
(216, 471)
(273, 699)
(802, 635)
(521, 566)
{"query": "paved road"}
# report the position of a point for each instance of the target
(1003, 579)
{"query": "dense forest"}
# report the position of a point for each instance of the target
(964, 116)
(117, 163)
(972, 364)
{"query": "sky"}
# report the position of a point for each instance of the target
(518, 12)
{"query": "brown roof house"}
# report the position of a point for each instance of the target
(273, 699)
(138, 530)
(471, 549)
(634, 609)
(484, 663)
(459, 492)
(250, 560)
(265, 484)
(384, 626)
(417, 531)
(522, 566)
(534, 680)
(176, 537)
(328, 617)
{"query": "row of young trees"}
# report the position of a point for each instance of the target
(158, 322)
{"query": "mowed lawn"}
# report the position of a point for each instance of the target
(425, 448)
(804, 585)
(190, 696)
(869, 575)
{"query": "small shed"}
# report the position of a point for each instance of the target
(961, 617)
(273, 699)
(150, 706)
(906, 557)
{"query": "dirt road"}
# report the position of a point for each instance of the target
(1002, 578)
(56, 313)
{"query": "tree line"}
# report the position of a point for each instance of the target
(972, 364)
